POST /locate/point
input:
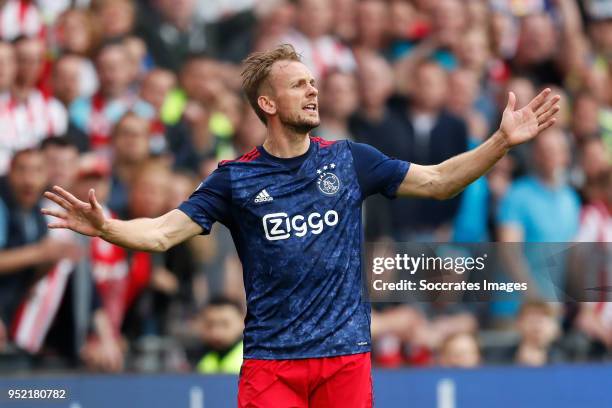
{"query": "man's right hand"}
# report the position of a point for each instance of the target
(79, 216)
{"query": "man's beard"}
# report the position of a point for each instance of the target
(299, 125)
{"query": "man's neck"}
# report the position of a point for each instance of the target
(285, 143)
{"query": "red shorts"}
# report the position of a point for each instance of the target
(343, 381)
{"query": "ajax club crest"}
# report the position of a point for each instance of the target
(328, 182)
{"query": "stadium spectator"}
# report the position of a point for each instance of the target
(66, 79)
(372, 25)
(116, 17)
(537, 50)
(76, 32)
(148, 197)
(156, 86)
(541, 207)
(94, 116)
(433, 135)
(338, 101)
(375, 124)
(538, 208)
(345, 14)
(275, 20)
(471, 221)
(311, 37)
(221, 333)
(26, 253)
(591, 264)
(460, 350)
(130, 144)
(585, 118)
(538, 325)
(31, 114)
(593, 160)
(170, 31)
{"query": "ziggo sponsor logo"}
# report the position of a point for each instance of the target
(279, 226)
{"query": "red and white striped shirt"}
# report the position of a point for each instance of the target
(24, 124)
(20, 17)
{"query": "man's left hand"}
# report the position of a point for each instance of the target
(520, 126)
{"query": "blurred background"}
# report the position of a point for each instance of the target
(141, 99)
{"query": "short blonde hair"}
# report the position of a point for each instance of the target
(256, 69)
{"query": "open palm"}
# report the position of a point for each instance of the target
(520, 126)
(85, 218)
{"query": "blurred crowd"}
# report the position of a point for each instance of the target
(140, 99)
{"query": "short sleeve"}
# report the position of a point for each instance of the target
(510, 211)
(210, 202)
(376, 172)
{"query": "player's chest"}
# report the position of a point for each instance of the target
(316, 194)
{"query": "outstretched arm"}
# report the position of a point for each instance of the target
(141, 234)
(449, 178)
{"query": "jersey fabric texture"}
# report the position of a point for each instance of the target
(296, 224)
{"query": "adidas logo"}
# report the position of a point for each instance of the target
(263, 197)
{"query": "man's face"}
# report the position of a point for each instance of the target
(430, 88)
(148, 196)
(551, 153)
(66, 86)
(537, 328)
(340, 98)
(156, 86)
(29, 61)
(314, 17)
(62, 165)
(461, 352)
(8, 66)
(113, 71)
(293, 96)
(375, 81)
(537, 38)
(27, 178)
(200, 79)
(131, 139)
(221, 326)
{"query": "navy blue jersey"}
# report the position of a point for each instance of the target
(296, 224)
